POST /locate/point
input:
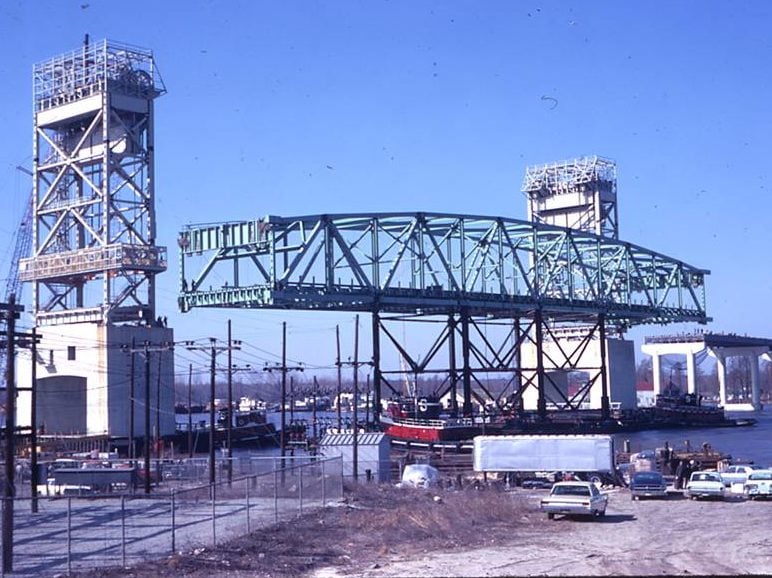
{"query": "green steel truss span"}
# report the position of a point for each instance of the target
(433, 263)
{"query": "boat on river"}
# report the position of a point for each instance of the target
(422, 420)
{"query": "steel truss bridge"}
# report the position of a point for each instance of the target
(464, 271)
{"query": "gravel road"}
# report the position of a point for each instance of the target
(675, 536)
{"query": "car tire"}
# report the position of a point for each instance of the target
(550, 516)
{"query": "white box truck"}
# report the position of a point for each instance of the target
(544, 453)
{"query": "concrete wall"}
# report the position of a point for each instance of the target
(83, 370)
(620, 371)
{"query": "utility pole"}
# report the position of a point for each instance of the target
(355, 364)
(147, 417)
(132, 447)
(157, 436)
(230, 406)
(12, 312)
(213, 349)
(33, 438)
(190, 413)
(146, 349)
(30, 340)
(284, 368)
(313, 415)
(340, 386)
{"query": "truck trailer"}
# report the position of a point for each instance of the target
(544, 453)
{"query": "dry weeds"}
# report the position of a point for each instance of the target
(373, 522)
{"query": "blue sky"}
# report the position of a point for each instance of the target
(433, 106)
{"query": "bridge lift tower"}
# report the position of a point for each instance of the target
(94, 257)
(580, 194)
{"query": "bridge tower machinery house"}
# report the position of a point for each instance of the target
(94, 258)
(580, 193)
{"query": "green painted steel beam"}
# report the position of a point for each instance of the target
(433, 263)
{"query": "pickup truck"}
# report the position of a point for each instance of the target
(574, 499)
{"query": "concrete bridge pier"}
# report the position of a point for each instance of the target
(752, 354)
(690, 350)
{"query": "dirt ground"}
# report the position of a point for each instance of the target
(383, 531)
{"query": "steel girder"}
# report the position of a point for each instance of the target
(434, 263)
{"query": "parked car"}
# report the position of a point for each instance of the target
(648, 485)
(737, 474)
(574, 499)
(758, 484)
(705, 485)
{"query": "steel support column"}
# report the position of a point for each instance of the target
(518, 395)
(541, 403)
(605, 407)
(376, 324)
(467, 370)
(452, 373)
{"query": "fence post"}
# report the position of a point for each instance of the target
(301, 471)
(69, 535)
(123, 531)
(246, 485)
(214, 519)
(174, 544)
(324, 492)
(275, 495)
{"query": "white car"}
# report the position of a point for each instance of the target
(574, 499)
(738, 474)
(758, 484)
(705, 485)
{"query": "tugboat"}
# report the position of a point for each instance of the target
(422, 420)
(687, 410)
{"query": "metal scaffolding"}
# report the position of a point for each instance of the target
(580, 193)
(94, 255)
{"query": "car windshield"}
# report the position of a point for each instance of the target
(705, 477)
(571, 491)
(647, 478)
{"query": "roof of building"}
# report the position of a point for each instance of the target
(347, 439)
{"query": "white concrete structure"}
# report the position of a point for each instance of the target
(721, 347)
(94, 256)
(83, 380)
(579, 194)
(620, 371)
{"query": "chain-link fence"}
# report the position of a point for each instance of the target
(78, 532)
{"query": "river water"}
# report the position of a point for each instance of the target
(752, 443)
(747, 444)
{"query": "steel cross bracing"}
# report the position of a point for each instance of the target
(433, 263)
(94, 256)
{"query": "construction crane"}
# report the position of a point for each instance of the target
(22, 243)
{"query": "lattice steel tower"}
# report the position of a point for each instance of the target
(580, 194)
(94, 257)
